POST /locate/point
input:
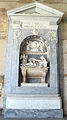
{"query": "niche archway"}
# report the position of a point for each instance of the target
(33, 63)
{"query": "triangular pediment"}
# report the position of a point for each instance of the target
(35, 9)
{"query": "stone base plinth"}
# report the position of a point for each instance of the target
(33, 106)
(33, 113)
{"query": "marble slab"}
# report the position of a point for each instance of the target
(33, 102)
(34, 84)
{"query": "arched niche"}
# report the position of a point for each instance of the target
(33, 63)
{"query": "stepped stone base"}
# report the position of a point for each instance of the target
(33, 113)
(33, 106)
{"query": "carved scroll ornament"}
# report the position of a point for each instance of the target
(51, 36)
(17, 34)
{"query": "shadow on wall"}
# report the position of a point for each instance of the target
(1, 91)
(2, 80)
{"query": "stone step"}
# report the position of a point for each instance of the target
(33, 102)
(33, 113)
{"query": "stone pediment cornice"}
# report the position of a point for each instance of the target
(35, 9)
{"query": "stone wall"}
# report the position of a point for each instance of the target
(3, 39)
(10, 4)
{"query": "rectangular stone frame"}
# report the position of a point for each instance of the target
(13, 62)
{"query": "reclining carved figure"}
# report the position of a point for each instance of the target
(34, 69)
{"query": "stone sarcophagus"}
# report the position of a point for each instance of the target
(33, 68)
(30, 72)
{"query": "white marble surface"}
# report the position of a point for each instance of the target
(36, 8)
(33, 102)
(34, 84)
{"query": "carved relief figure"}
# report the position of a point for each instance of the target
(38, 63)
(31, 69)
(43, 62)
(35, 46)
(34, 62)
(24, 59)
